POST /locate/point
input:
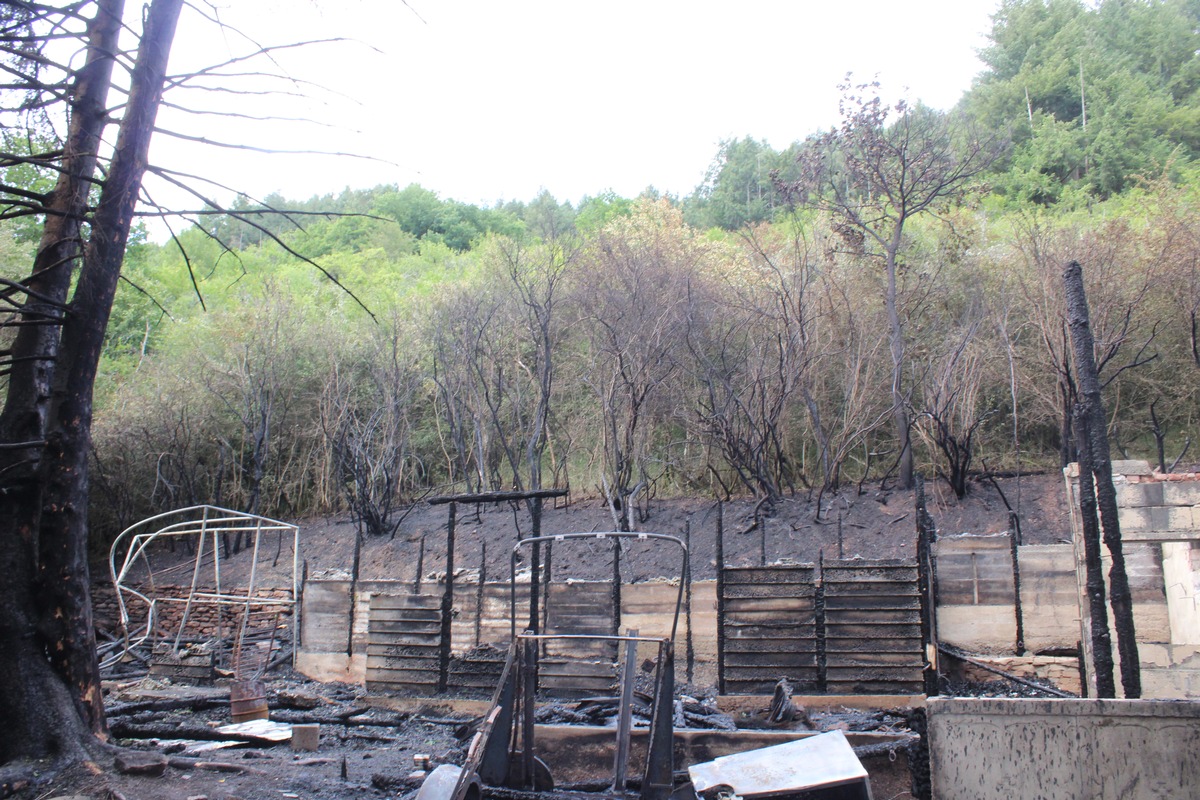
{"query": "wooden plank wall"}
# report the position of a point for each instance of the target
(323, 625)
(872, 627)
(403, 637)
(770, 628)
(404, 632)
(572, 668)
(974, 571)
(852, 627)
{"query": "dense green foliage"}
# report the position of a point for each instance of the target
(732, 341)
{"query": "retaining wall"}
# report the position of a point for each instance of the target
(976, 601)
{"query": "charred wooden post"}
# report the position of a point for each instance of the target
(447, 603)
(479, 591)
(420, 566)
(658, 781)
(690, 669)
(546, 579)
(1014, 539)
(927, 586)
(840, 537)
(761, 522)
(535, 581)
(616, 588)
(528, 703)
(355, 568)
(819, 626)
(720, 557)
(1091, 404)
(625, 714)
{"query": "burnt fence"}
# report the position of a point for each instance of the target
(841, 627)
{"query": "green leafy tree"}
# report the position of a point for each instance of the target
(739, 188)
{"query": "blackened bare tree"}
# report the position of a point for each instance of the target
(633, 297)
(749, 343)
(368, 416)
(953, 406)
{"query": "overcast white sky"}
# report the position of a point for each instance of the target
(491, 100)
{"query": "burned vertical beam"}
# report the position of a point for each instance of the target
(819, 626)
(528, 704)
(420, 566)
(658, 780)
(720, 558)
(1014, 538)
(479, 591)
(447, 603)
(535, 567)
(690, 668)
(927, 586)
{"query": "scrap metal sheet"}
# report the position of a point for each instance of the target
(816, 761)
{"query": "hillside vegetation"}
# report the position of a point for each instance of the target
(805, 320)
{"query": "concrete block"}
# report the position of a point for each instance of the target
(1164, 684)
(1132, 467)
(1180, 518)
(1140, 519)
(305, 738)
(1180, 493)
(1139, 495)
(1186, 656)
(1154, 656)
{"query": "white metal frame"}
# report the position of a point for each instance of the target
(200, 522)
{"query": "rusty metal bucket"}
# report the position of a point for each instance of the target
(248, 700)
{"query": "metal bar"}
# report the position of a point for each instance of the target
(195, 579)
(217, 577)
(297, 606)
(246, 613)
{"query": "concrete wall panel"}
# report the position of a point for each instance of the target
(1064, 749)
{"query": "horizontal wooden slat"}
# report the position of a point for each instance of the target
(403, 626)
(405, 615)
(405, 601)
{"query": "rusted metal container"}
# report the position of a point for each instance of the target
(248, 700)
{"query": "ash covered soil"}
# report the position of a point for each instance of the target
(872, 523)
(363, 752)
(369, 752)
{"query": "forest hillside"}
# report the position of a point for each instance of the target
(874, 301)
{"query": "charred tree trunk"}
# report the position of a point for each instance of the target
(1091, 407)
(1094, 571)
(49, 679)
